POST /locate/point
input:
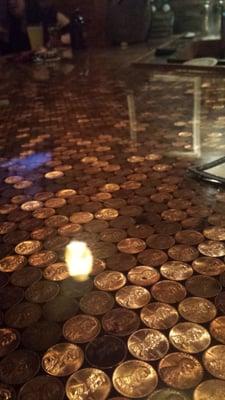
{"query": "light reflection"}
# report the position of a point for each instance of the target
(79, 260)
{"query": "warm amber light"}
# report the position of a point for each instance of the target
(79, 260)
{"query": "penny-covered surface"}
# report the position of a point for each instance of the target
(97, 151)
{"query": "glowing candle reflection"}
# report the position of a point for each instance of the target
(79, 260)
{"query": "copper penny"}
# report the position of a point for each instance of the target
(131, 210)
(115, 203)
(180, 370)
(212, 389)
(82, 385)
(143, 275)
(96, 226)
(82, 217)
(120, 322)
(63, 359)
(159, 316)
(192, 223)
(110, 280)
(41, 335)
(105, 352)
(18, 367)
(60, 309)
(148, 345)
(4, 279)
(121, 262)
(56, 243)
(11, 180)
(220, 302)
(198, 211)
(217, 329)
(98, 267)
(189, 337)
(181, 252)
(42, 259)
(7, 392)
(56, 221)
(173, 215)
(113, 235)
(103, 249)
(66, 193)
(56, 272)
(12, 263)
(31, 205)
(43, 196)
(44, 387)
(81, 329)
(168, 228)
(42, 233)
(133, 297)
(209, 266)
(179, 204)
(15, 237)
(217, 219)
(54, 175)
(122, 222)
(55, 202)
(110, 188)
(9, 341)
(69, 230)
(131, 245)
(168, 394)
(140, 231)
(135, 379)
(10, 296)
(42, 291)
(203, 286)
(6, 227)
(73, 289)
(96, 303)
(214, 361)
(212, 248)
(28, 247)
(101, 196)
(197, 309)
(107, 214)
(214, 233)
(43, 213)
(176, 271)
(22, 315)
(152, 257)
(189, 237)
(168, 292)
(21, 198)
(7, 208)
(160, 241)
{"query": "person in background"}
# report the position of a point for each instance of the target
(13, 33)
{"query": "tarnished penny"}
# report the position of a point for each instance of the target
(143, 275)
(25, 277)
(212, 248)
(168, 394)
(189, 237)
(96, 226)
(209, 266)
(42, 259)
(81, 329)
(180, 370)
(56, 243)
(43, 388)
(176, 270)
(189, 337)
(135, 379)
(122, 222)
(42, 233)
(9, 341)
(131, 245)
(105, 352)
(214, 233)
(182, 252)
(133, 297)
(159, 316)
(28, 247)
(203, 286)
(6, 227)
(60, 309)
(82, 385)
(7, 392)
(56, 221)
(120, 322)
(197, 309)
(10, 296)
(107, 214)
(43, 213)
(41, 335)
(22, 315)
(121, 262)
(110, 280)
(12, 263)
(63, 359)
(73, 289)
(56, 272)
(160, 241)
(140, 231)
(168, 228)
(217, 329)
(18, 367)
(42, 291)
(81, 217)
(220, 302)
(214, 361)
(168, 292)
(148, 345)
(4, 279)
(96, 303)
(212, 389)
(152, 257)
(113, 235)
(69, 230)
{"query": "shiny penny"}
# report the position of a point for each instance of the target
(203, 286)
(82, 385)
(168, 292)
(120, 322)
(197, 309)
(176, 270)
(42, 259)
(107, 214)
(110, 280)
(9, 341)
(18, 367)
(159, 316)
(28, 247)
(133, 297)
(12, 263)
(105, 352)
(63, 359)
(81, 217)
(215, 233)
(131, 245)
(56, 272)
(180, 370)
(217, 329)
(212, 389)
(212, 248)
(81, 329)
(214, 361)
(135, 379)
(148, 345)
(7, 392)
(189, 337)
(143, 275)
(181, 252)
(168, 394)
(96, 303)
(210, 266)
(43, 388)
